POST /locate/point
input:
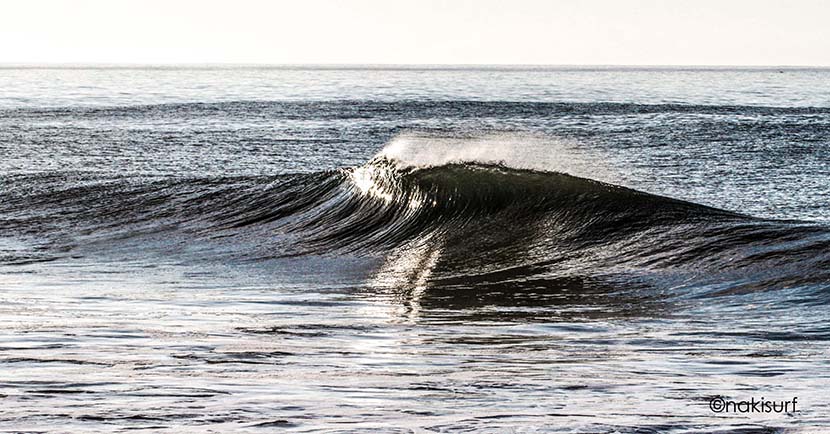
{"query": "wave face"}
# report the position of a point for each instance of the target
(443, 222)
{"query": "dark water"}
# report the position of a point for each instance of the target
(422, 250)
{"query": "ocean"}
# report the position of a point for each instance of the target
(414, 249)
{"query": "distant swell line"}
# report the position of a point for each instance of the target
(399, 109)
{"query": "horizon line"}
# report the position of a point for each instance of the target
(436, 66)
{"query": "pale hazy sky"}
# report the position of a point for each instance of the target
(628, 32)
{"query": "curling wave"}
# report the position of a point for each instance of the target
(472, 222)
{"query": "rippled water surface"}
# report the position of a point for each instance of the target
(428, 250)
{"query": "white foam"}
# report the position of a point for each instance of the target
(520, 151)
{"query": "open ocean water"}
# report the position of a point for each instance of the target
(414, 249)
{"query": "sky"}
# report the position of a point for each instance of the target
(543, 32)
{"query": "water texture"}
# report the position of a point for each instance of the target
(413, 249)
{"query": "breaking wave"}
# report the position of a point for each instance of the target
(469, 221)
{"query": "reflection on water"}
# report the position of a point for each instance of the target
(91, 345)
